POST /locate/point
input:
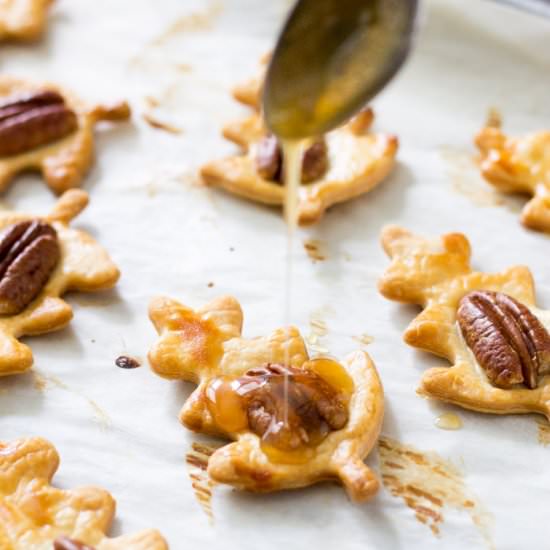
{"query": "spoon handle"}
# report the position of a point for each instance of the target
(537, 7)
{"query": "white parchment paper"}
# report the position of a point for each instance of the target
(119, 429)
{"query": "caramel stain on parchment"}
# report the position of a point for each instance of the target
(364, 339)
(543, 432)
(184, 67)
(466, 180)
(43, 383)
(192, 22)
(197, 464)
(428, 485)
(316, 249)
(151, 188)
(153, 121)
(89, 300)
(494, 118)
(318, 330)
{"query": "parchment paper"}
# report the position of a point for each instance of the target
(119, 429)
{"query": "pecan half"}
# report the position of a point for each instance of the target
(269, 160)
(509, 342)
(65, 543)
(33, 119)
(29, 252)
(315, 162)
(290, 407)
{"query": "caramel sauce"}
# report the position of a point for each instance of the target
(333, 373)
(257, 402)
(225, 403)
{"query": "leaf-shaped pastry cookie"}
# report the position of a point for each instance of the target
(519, 165)
(82, 265)
(45, 128)
(35, 514)
(486, 324)
(334, 410)
(353, 161)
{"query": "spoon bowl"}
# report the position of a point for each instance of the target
(332, 57)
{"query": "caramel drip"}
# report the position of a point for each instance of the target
(448, 421)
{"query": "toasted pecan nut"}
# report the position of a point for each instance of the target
(311, 406)
(34, 119)
(18, 103)
(65, 543)
(315, 162)
(508, 341)
(29, 252)
(269, 160)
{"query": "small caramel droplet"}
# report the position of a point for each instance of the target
(449, 421)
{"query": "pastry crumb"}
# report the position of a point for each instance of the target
(210, 284)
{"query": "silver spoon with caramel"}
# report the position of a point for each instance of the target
(332, 57)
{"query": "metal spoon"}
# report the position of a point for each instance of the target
(332, 57)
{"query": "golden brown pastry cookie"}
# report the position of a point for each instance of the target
(35, 514)
(41, 258)
(23, 19)
(344, 164)
(42, 127)
(486, 325)
(519, 165)
(334, 413)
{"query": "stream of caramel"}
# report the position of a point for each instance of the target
(292, 165)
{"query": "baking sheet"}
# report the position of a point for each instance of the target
(118, 429)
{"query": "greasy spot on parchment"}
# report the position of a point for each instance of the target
(197, 463)
(316, 249)
(90, 300)
(43, 383)
(544, 432)
(192, 22)
(364, 339)
(428, 484)
(467, 181)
